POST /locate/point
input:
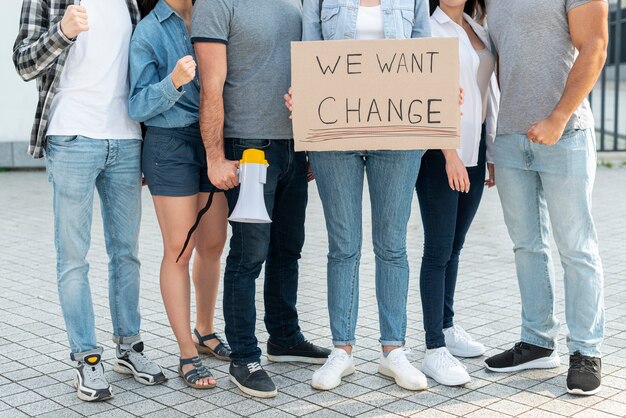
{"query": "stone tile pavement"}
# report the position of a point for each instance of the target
(35, 373)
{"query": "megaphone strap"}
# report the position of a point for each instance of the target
(204, 210)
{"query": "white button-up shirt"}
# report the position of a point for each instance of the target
(472, 119)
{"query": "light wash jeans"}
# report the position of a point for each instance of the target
(391, 176)
(539, 186)
(76, 166)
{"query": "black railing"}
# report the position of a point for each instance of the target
(605, 98)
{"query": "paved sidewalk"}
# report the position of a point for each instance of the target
(35, 373)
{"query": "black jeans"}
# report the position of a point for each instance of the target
(446, 217)
(278, 244)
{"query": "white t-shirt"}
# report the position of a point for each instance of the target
(369, 23)
(92, 95)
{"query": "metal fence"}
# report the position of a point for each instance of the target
(605, 98)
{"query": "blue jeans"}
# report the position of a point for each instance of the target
(278, 245)
(541, 186)
(446, 218)
(391, 176)
(76, 166)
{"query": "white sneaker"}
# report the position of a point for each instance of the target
(338, 365)
(398, 367)
(442, 366)
(460, 344)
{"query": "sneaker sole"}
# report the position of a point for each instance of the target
(81, 391)
(386, 372)
(296, 359)
(581, 392)
(347, 372)
(466, 354)
(123, 367)
(444, 381)
(252, 392)
(551, 362)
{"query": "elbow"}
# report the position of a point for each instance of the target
(135, 113)
(597, 50)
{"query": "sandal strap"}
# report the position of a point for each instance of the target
(195, 360)
(214, 336)
(198, 373)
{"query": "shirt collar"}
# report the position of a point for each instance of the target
(442, 18)
(163, 11)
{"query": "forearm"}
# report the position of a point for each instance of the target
(212, 124)
(148, 102)
(35, 51)
(581, 80)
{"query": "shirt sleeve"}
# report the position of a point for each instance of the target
(311, 24)
(149, 95)
(38, 44)
(211, 21)
(570, 4)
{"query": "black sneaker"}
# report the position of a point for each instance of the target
(90, 383)
(305, 352)
(252, 380)
(523, 356)
(585, 375)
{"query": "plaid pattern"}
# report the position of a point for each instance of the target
(40, 51)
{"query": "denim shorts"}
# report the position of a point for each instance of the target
(174, 161)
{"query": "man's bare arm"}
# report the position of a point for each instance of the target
(589, 31)
(212, 70)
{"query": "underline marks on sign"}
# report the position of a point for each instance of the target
(398, 131)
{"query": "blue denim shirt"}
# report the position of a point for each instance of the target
(337, 20)
(159, 41)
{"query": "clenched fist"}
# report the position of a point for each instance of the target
(184, 72)
(74, 21)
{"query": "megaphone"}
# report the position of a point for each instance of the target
(250, 207)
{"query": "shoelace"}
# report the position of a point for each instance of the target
(254, 367)
(460, 334)
(333, 358)
(400, 360)
(95, 373)
(519, 347)
(582, 363)
(447, 359)
(139, 358)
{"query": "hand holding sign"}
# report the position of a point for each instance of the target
(75, 21)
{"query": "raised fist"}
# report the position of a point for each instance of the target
(74, 21)
(184, 72)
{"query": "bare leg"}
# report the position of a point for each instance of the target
(210, 240)
(176, 215)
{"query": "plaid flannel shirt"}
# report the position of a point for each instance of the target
(40, 51)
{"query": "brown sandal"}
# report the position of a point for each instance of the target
(221, 352)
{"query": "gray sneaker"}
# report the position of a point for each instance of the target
(134, 362)
(90, 383)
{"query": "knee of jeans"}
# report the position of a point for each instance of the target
(438, 250)
(395, 255)
(347, 252)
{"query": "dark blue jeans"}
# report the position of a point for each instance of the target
(278, 245)
(446, 217)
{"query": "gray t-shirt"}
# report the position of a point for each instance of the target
(536, 55)
(258, 35)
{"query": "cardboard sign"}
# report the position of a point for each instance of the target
(376, 95)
